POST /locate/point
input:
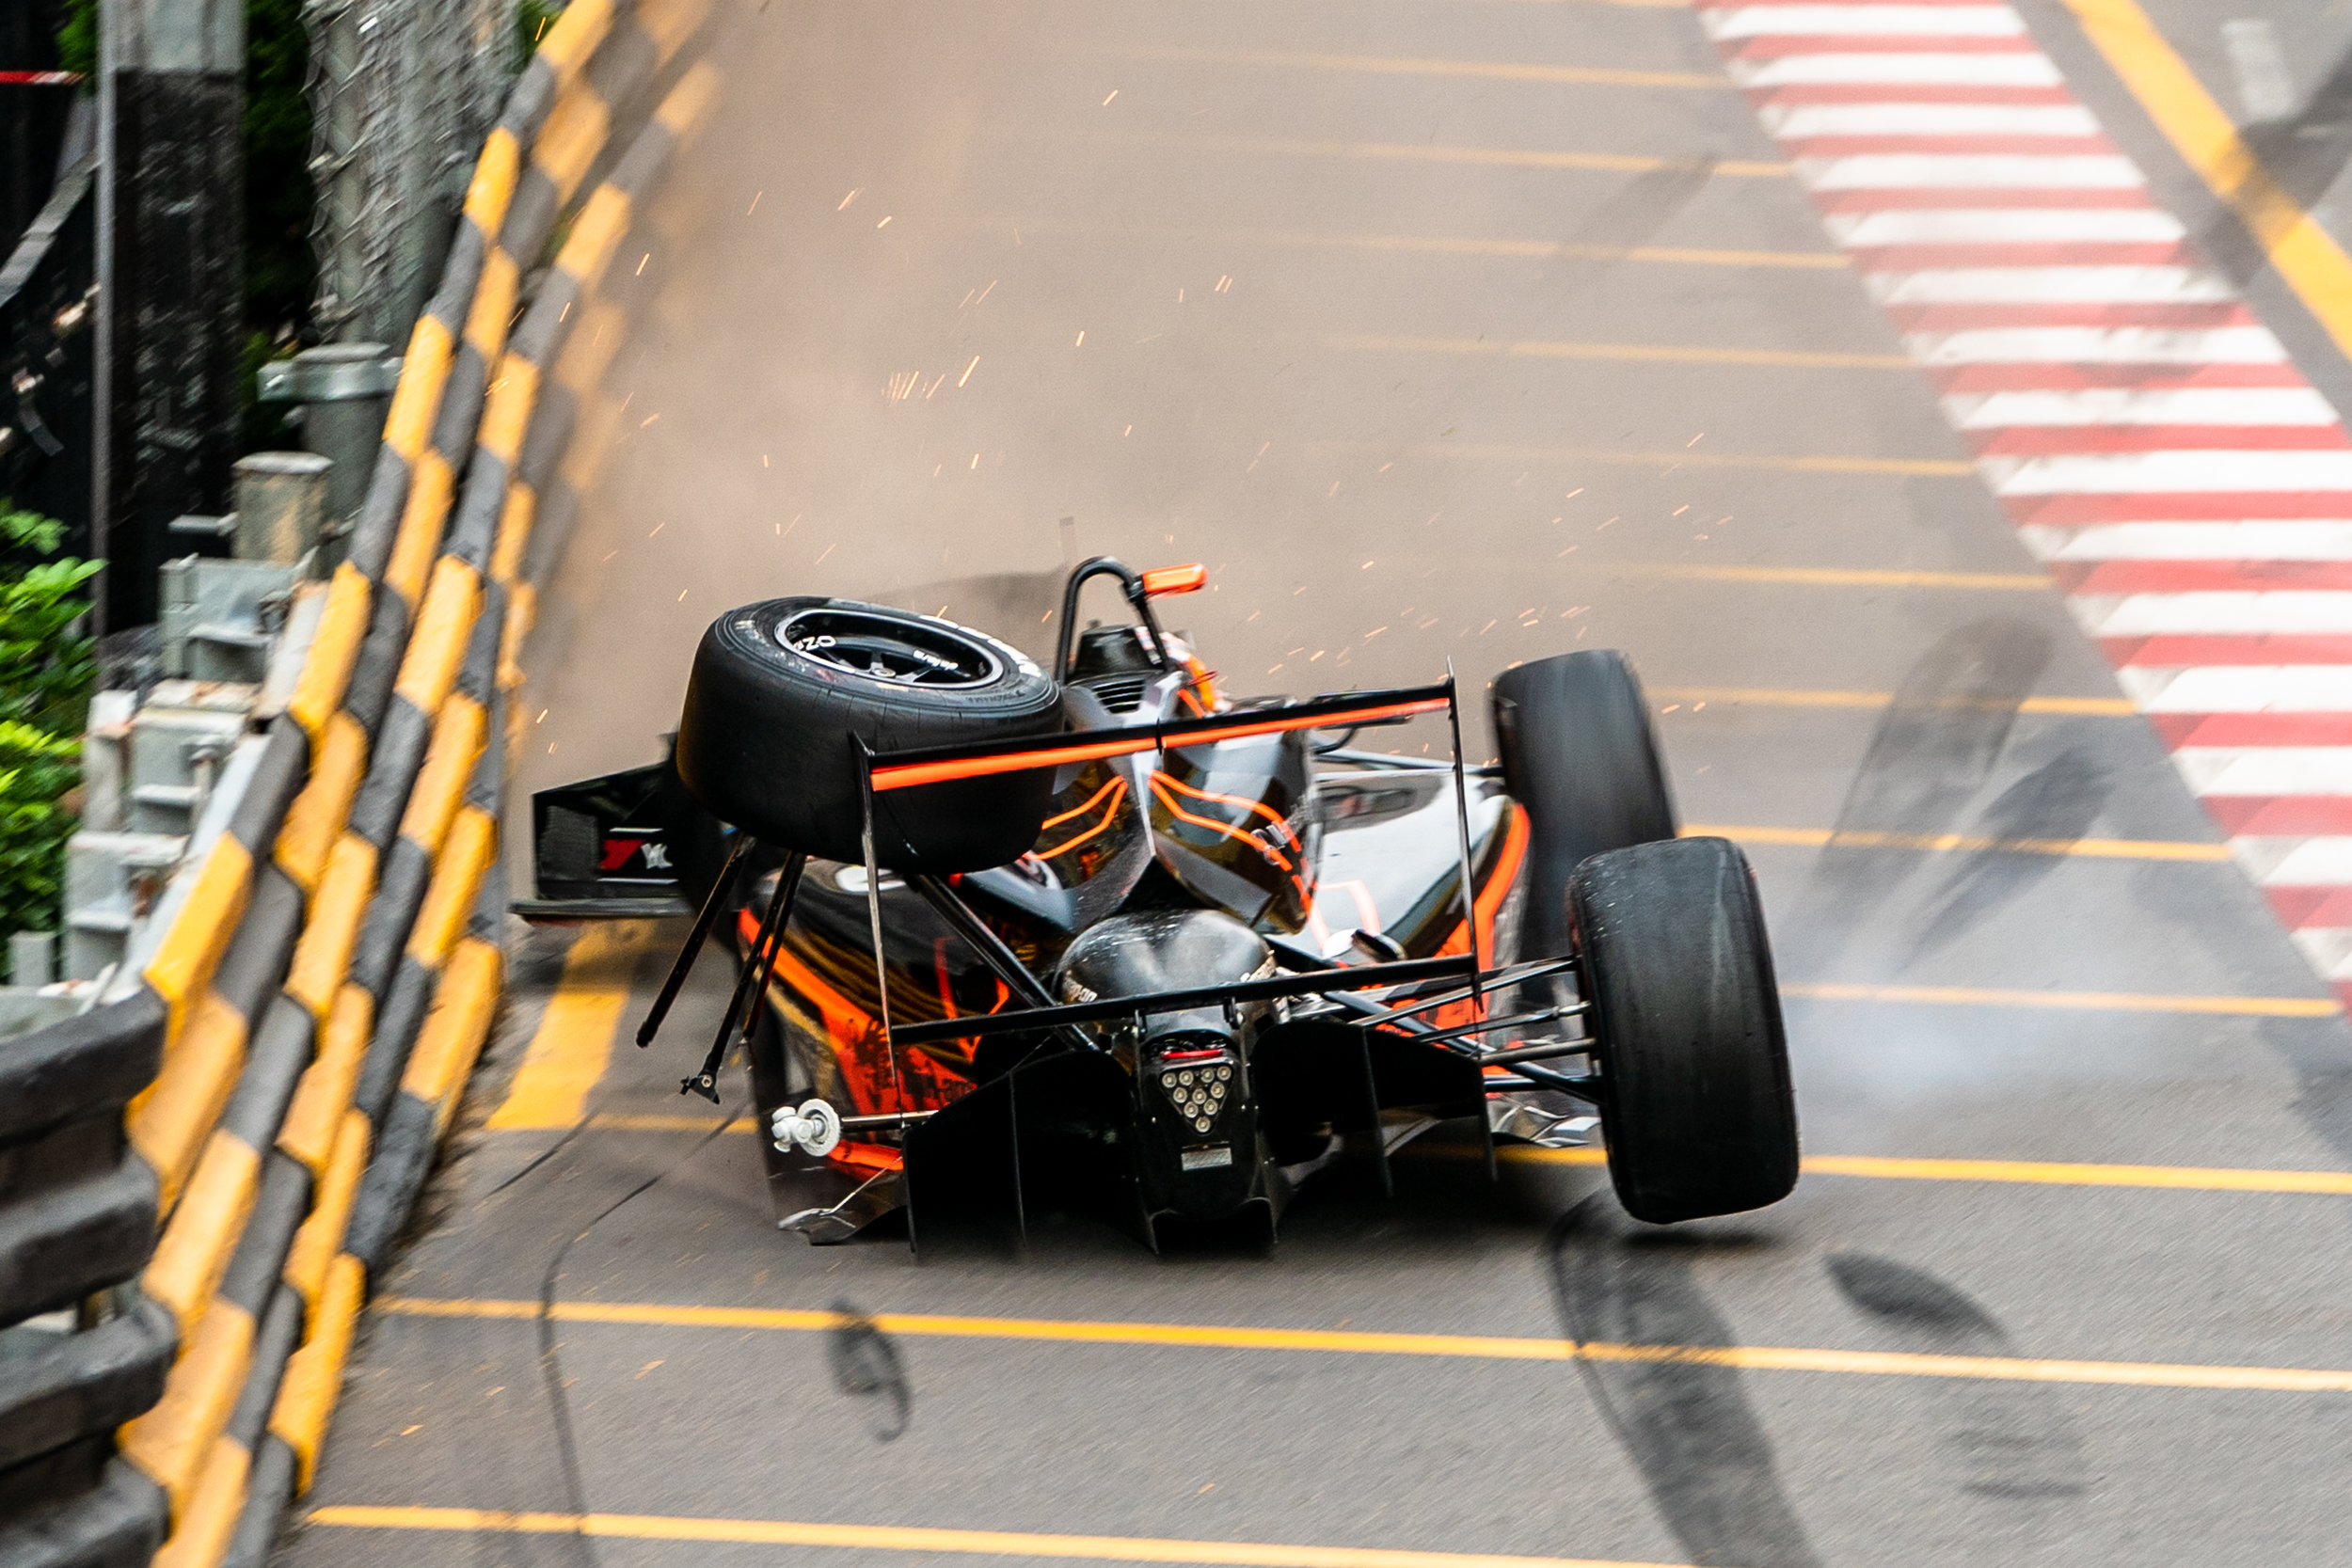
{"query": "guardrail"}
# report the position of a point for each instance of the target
(272, 1081)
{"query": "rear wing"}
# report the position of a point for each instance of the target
(888, 772)
(900, 770)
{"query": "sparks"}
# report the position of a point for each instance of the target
(847, 199)
(755, 206)
(970, 367)
(1106, 103)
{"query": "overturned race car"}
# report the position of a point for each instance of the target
(1102, 936)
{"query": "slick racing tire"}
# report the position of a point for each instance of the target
(1579, 753)
(783, 692)
(1694, 1094)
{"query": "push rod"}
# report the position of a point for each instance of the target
(1541, 1052)
(721, 891)
(1517, 1021)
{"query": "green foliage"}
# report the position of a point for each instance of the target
(533, 17)
(77, 41)
(279, 268)
(46, 674)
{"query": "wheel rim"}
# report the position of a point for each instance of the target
(885, 648)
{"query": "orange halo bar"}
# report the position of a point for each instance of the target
(1175, 580)
(1075, 746)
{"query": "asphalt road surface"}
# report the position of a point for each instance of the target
(1426, 363)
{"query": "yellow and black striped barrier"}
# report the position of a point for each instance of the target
(329, 977)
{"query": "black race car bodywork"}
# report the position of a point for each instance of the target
(1236, 946)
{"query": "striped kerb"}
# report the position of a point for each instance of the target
(2188, 487)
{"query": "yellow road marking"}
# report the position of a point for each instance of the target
(573, 1041)
(2077, 1000)
(1838, 576)
(1489, 157)
(1771, 696)
(2089, 848)
(2050, 1173)
(2039, 1173)
(2045, 1173)
(1665, 353)
(2314, 264)
(1385, 65)
(1440, 244)
(656, 1123)
(1487, 1347)
(1563, 250)
(1929, 467)
(909, 1538)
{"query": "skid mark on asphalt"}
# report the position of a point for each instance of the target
(1687, 1427)
(2057, 803)
(2013, 1441)
(1933, 750)
(866, 1366)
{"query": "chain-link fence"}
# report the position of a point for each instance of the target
(401, 93)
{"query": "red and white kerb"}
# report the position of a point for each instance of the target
(2189, 488)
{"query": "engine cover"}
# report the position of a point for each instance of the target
(1197, 1150)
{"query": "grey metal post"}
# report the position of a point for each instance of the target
(282, 505)
(32, 957)
(170, 281)
(401, 94)
(344, 389)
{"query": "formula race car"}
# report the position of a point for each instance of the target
(1105, 935)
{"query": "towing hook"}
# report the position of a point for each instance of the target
(814, 1129)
